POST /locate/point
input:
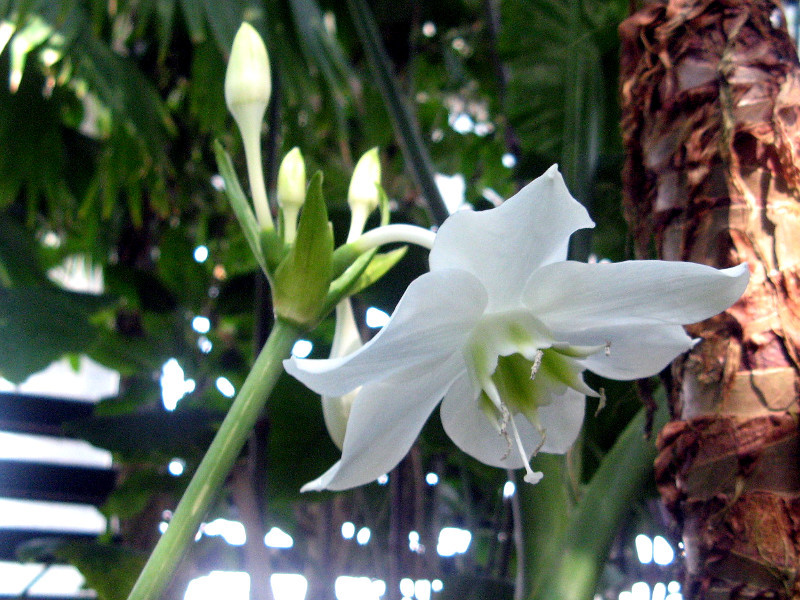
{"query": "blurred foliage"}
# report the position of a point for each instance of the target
(108, 111)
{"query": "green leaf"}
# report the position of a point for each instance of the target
(155, 435)
(41, 324)
(18, 252)
(405, 125)
(303, 278)
(109, 570)
(240, 204)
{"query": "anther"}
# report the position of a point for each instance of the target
(608, 349)
(537, 362)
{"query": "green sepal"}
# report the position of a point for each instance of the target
(303, 276)
(344, 257)
(240, 204)
(383, 206)
(378, 267)
(342, 286)
(273, 249)
(362, 273)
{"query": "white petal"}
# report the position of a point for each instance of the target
(633, 351)
(471, 430)
(504, 245)
(432, 320)
(571, 295)
(562, 420)
(385, 419)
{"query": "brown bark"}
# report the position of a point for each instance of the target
(711, 107)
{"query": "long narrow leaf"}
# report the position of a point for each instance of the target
(405, 125)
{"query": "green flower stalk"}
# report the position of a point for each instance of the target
(248, 86)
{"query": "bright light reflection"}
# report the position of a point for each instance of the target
(431, 479)
(302, 348)
(201, 324)
(225, 387)
(176, 466)
(288, 586)
(452, 188)
(201, 254)
(407, 587)
(60, 580)
(363, 535)
(677, 596)
(644, 549)
(358, 588)
(173, 385)
(348, 530)
(232, 532)
(452, 541)
(640, 591)
(625, 596)
(383, 479)
(462, 123)
(437, 585)
(231, 585)
(509, 160)
(422, 589)
(663, 554)
(413, 541)
(673, 587)
(659, 592)
(204, 344)
(509, 489)
(428, 29)
(46, 516)
(376, 318)
(39, 448)
(277, 538)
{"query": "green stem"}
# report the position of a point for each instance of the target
(583, 548)
(216, 464)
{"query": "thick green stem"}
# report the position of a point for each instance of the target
(216, 464)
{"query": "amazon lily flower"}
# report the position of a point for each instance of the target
(500, 331)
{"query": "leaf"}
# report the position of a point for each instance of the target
(155, 435)
(41, 324)
(240, 204)
(109, 570)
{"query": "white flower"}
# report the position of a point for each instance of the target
(502, 328)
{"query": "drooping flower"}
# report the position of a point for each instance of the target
(500, 331)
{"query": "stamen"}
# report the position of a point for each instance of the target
(504, 428)
(537, 362)
(602, 403)
(531, 476)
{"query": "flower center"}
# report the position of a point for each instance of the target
(518, 366)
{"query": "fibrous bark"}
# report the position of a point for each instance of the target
(711, 122)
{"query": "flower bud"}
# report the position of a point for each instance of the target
(248, 84)
(363, 195)
(292, 180)
(291, 190)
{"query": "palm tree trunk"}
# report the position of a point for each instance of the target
(711, 122)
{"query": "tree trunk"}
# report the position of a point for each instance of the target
(711, 122)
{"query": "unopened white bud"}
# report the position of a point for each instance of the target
(248, 86)
(248, 83)
(363, 195)
(291, 190)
